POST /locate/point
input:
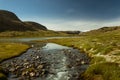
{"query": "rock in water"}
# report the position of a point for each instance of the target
(32, 74)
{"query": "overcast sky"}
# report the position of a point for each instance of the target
(66, 14)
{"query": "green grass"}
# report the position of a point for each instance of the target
(95, 60)
(96, 44)
(102, 43)
(8, 50)
(40, 33)
(103, 71)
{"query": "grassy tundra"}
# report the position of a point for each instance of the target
(103, 48)
(40, 33)
(8, 50)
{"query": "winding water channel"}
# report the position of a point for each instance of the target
(47, 61)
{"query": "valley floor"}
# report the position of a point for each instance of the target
(102, 47)
(104, 50)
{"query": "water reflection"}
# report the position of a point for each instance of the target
(27, 39)
(60, 63)
(51, 46)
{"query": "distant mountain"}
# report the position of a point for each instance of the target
(10, 22)
(71, 32)
(102, 30)
(106, 29)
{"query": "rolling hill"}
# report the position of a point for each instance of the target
(10, 22)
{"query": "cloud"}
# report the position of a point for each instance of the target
(82, 25)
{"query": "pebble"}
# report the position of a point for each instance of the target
(14, 76)
(82, 62)
(12, 70)
(37, 65)
(37, 57)
(32, 74)
(40, 67)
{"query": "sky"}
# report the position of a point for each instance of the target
(64, 15)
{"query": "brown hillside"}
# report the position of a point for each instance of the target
(35, 25)
(10, 22)
(8, 15)
(101, 30)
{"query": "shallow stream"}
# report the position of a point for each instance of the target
(47, 61)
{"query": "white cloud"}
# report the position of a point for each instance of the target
(82, 25)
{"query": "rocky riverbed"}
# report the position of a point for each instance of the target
(47, 61)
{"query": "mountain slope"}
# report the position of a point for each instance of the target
(10, 22)
(102, 30)
(35, 25)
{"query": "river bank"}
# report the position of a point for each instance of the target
(9, 50)
(104, 52)
(47, 62)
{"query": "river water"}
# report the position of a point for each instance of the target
(58, 63)
(30, 39)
